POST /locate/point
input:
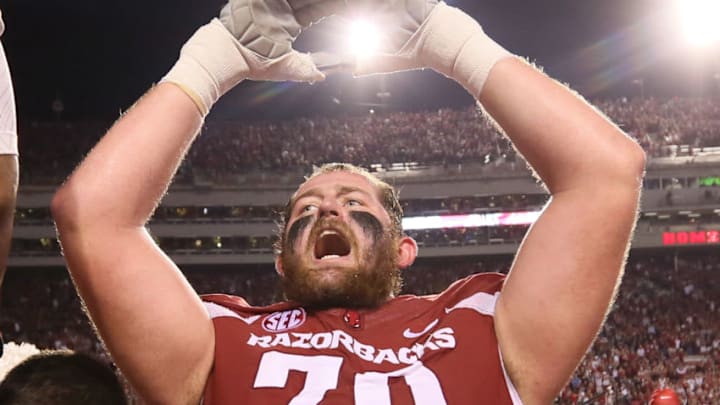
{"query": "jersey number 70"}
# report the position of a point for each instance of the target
(371, 388)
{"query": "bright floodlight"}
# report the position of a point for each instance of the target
(363, 38)
(699, 19)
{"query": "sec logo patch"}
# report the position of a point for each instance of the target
(284, 320)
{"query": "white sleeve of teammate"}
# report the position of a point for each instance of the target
(8, 123)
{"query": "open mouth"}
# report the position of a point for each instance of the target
(331, 245)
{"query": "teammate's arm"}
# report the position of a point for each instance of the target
(568, 267)
(152, 321)
(8, 158)
(8, 191)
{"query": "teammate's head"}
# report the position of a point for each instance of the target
(61, 378)
(664, 396)
(341, 241)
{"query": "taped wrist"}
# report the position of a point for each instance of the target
(458, 47)
(210, 64)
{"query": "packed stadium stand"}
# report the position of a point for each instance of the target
(219, 218)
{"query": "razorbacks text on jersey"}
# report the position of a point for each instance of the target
(430, 350)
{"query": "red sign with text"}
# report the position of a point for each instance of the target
(691, 238)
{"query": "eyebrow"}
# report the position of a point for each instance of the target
(315, 192)
(347, 190)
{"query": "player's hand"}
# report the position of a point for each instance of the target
(401, 24)
(416, 33)
(427, 34)
(308, 12)
(266, 30)
(397, 23)
(252, 39)
(397, 20)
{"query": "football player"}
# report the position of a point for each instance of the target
(343, 335)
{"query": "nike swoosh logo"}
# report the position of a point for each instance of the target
(412, 335)
(481, 302)
(249, 319)
(218, 311)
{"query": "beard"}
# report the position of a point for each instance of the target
(373, 279)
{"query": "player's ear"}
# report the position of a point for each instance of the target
(278, 266)
(407, 251)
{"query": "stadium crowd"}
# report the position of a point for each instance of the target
(441, 137)
(264, 244)
(663, 331)
(269, 213)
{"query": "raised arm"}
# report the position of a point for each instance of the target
(151, 320)
(568, 268)
(148, 315)
(566, 272)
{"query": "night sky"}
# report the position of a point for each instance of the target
(99, 56)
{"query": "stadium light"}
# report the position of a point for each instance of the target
(470, 220)
(363, 38)
(699, 20)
